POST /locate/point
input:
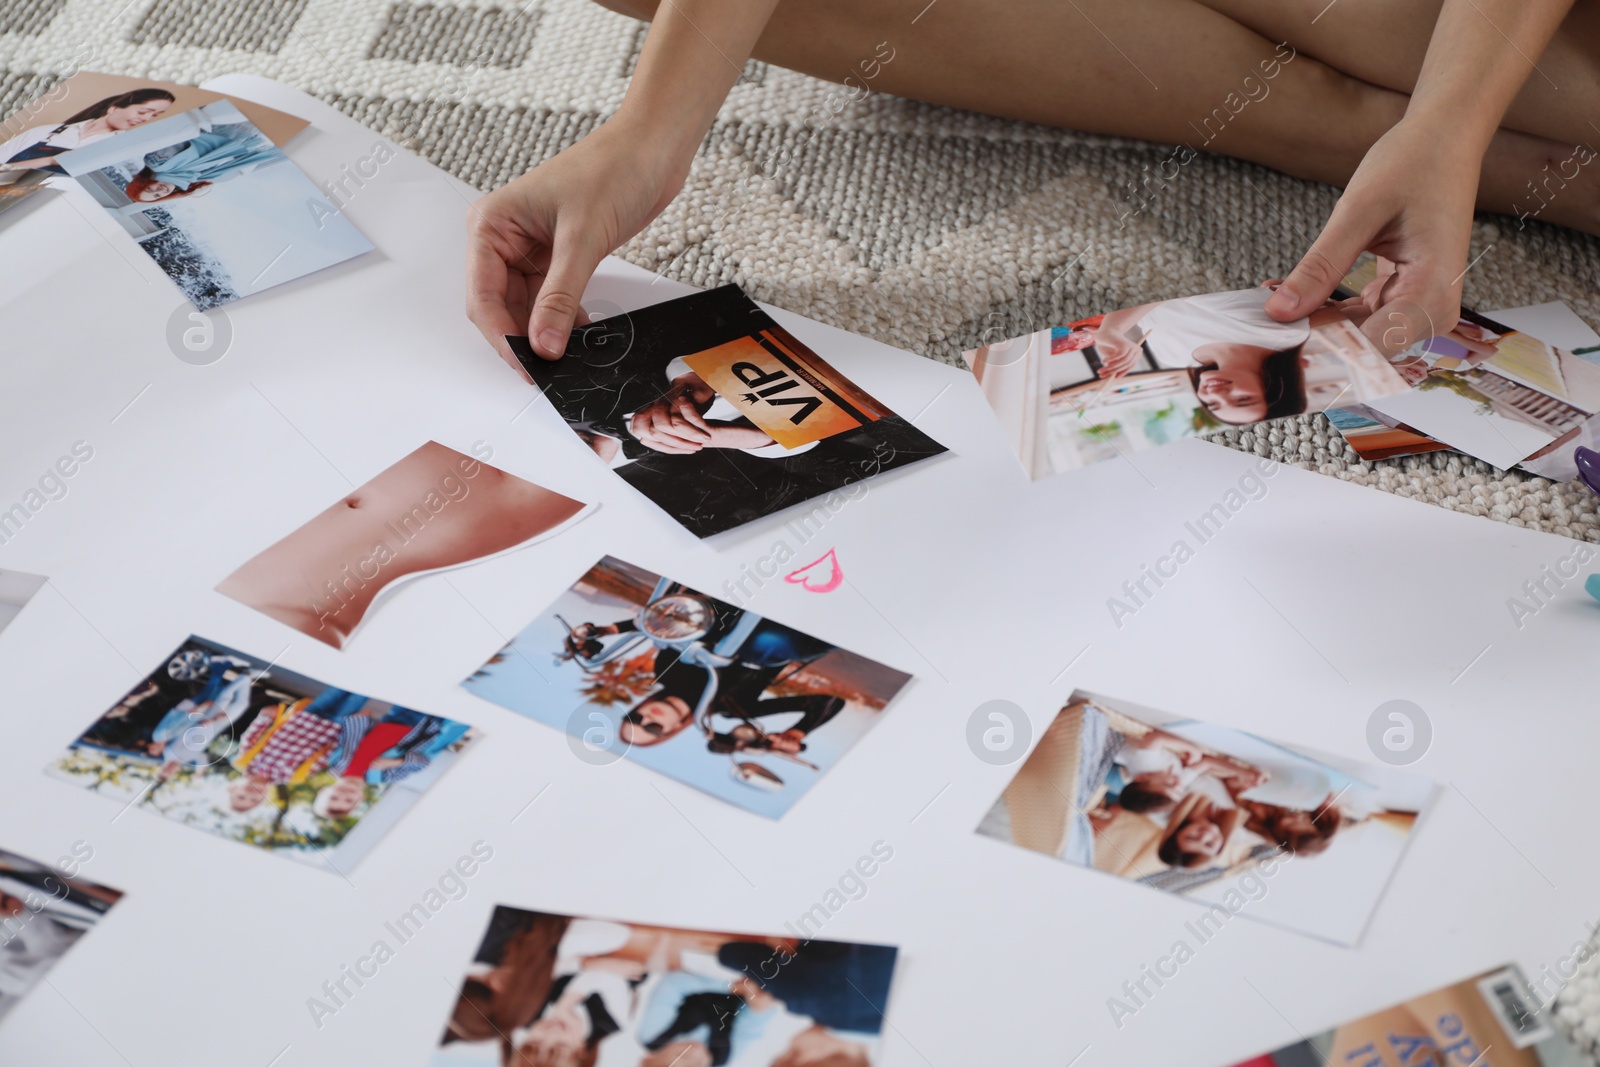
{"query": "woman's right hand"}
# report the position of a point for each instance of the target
(533, 243)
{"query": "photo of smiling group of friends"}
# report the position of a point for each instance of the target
(1299, 839)
(237, 747)
(549, 990)
(1141, 377)
(631, 663)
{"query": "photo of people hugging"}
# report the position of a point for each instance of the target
(553, 991)
(1198, 809)
(245, 750)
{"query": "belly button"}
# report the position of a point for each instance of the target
(352, 501)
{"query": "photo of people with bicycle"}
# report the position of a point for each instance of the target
(1298, 839)
(719, 697)
(243, 749)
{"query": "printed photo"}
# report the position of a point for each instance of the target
(85, 108)
(219, 207)
(554, 991)
(1485, 389)
(716, 413)
(1558, 460)
(723, 699)
(1458, 1024)
(16, 589)
(1131, 380)
(246, 750)
(434, 510)
(1248, 826)
(1373, 435)
(44, 910)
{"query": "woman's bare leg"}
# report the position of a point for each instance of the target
(1100, 66)
(1382, 42)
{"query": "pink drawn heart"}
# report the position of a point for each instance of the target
(825, 581)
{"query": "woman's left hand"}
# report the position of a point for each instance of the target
(1411, 202)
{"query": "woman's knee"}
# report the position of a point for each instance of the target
(638, 9)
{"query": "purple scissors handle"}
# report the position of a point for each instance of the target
(1588, 461)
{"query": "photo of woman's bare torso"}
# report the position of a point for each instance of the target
(434, 509)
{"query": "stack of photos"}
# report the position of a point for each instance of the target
(16, 589)
(219, 207)
(716, 413)
(723, 699)
(1482, 388)
(551, 991)
(1491, 1020)
(432, 511)
(1242, 824)
(44, 910)
(229, 744)
(1132, 380)
(85, 108)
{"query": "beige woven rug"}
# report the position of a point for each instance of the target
(920, 226)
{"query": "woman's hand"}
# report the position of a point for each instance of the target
(1410, 202)
(533, 244)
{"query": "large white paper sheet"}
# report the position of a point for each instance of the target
(1301, 605)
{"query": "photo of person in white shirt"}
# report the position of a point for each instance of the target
(1245, 366)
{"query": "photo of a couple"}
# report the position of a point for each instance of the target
(554, 991)
(630, 663)
(716, 413)
(1145, 376)
(246, 750)
(214, 202)
(1199, 809)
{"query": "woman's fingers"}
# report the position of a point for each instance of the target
(1416, 303)
(488, 280)
(1324, 265)
(574, 254)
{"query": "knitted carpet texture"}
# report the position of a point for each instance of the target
(924, 227)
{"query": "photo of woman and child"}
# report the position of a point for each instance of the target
(1192, 808)
(244, 750)
(554, 991)
(214, 202)
(1130, 380)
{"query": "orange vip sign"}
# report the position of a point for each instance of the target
(784, 388)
